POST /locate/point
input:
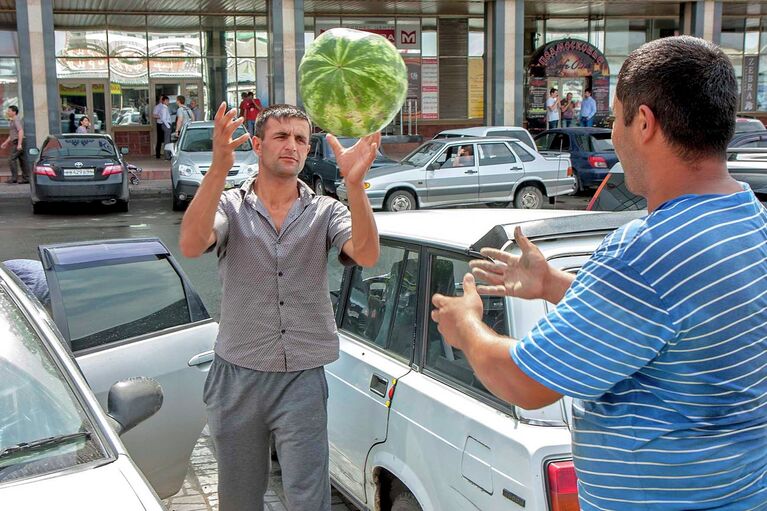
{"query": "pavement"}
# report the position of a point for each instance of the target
(199, 492)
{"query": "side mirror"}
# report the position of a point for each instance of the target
(132, 401)
(33, 151)
(433, 166)
(123, 150)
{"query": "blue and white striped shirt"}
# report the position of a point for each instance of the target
(662, 340)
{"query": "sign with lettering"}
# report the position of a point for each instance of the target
(748, 99)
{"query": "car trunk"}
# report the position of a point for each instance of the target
(80, 169)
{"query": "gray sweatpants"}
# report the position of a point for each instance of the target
(245, 408)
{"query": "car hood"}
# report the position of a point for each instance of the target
(116, 486)
(379, 172)
(205, 158)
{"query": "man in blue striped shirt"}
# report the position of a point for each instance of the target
(662, 337)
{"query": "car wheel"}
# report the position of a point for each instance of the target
(579, 189)
(121, 206)
(528, 197)
(504, 204)
(178, 204)
(400, 200)
(405, 501)
(319, 188)
(39, 208)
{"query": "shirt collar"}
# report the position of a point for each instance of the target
(305, 192)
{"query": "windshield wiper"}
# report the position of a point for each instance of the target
(43, 444)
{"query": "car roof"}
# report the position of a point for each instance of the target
(466, 140)
(479, 227)
(199, 124)
(576, 130)
(103, 250)
(81, 135)
(479, 129)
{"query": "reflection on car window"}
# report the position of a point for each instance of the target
(382, 302)
(523, 153)
(598, 142)
(37, 403)
(447, 279)
(495, 154)
(614, 196)
(335, 274)
(110, 303)
(198, 140)
(82, 147)
(423, 154)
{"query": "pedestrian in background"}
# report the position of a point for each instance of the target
(245, 105)
(15, 139)
(660, 338)
(567, 107)
(277, 330)
(84, 124)
(552, 109)
(183, 114)
(195, 110)
(164, 128)
(588, 109)
(254, 108)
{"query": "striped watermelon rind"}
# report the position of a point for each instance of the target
(352, 83)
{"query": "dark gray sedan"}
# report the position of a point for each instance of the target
(79, 168)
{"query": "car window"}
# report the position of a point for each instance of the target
(456, 156)
(597, 143)
(423, 154)
(82, 147)
(561, 142)
(381, 305)
(37, 402)
(315, 149)
(523, 153)
(495, 154)
(760, 142)
(335, 273)
(109, 303)
(446, 277)
(200, 140)
(544, 141)
(615, 196)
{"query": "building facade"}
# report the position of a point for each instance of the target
(470, 62)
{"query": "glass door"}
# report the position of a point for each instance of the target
(79, 99)
(189, 89)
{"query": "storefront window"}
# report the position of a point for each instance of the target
(246, 37)
(81, 68)
(624, 36)
(78, 42)
(9, 43)
(751, 44)
(9, 86)
(733, 35)
(567, 28)
(177, 36)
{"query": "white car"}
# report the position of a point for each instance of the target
(58, 449)
(410, 425)
(517, 132)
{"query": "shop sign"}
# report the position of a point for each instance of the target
(476, 87)
(413, 77)
(570, 57)
(405, 37)
(429, 88)
(537, 93)
(748, 100)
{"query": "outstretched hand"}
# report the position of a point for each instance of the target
(355, 161)
(224, 126)
(521, 276)
(457, 316)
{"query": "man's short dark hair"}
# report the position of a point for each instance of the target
(552, 90)
(699, 120)
(181, 99)
(243, 94)
(164, 98)
(588, 89)
(14, 108)
(279, 112)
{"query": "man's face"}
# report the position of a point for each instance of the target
(587, 94)
(284, 147)
(625, 147)
(10, 113)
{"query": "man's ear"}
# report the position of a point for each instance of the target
(647, 123)
(256, 145)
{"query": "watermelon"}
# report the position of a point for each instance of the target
(352, 83)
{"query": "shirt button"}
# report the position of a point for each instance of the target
(279, 274)
(282, 331)
(282, 303)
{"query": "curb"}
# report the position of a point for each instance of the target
(136, 192)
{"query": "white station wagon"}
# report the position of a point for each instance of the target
(410, 425)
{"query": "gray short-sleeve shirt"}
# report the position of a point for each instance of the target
(276, 313)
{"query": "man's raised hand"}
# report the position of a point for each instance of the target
(224, 126)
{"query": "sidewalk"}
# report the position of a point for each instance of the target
(146, 188)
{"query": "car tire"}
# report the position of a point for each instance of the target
(528, 197)
(579, 189)
(400, 200)
(178, 204)
(39, 208)
(122, 206)
(405, 501)
(319, 187)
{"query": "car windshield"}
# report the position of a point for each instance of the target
(200, 140)
(79, 147)
(613, 195)
(423, 154)
(596, 142)
(745, 125)
(43, 426)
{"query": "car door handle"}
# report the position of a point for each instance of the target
(201, 358)
(515, 168)
(470, 172)
(378, 385)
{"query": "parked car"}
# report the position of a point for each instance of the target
(321, 171)
(747, 124)
(58, 449)
(125, 308)
(749, 139)
(426, 434)
(590, 149)
(487, 170)
(517, 132)
(613, 195)
(192, 155)
(79, 168)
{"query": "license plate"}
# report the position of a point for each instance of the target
(79, 172)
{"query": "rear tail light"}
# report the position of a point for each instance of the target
(570, 172)
(597, 162)
(112, 169)
(563, 486)
(42, 170)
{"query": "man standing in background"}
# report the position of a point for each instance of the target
(588, 109)
(16, 138)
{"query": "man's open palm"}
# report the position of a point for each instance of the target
(354, 162)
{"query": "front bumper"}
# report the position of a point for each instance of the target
(46, 189)
(591, 176)
(376, 197)
(189, 188)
